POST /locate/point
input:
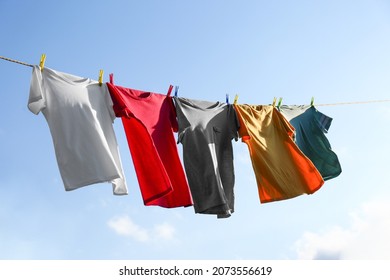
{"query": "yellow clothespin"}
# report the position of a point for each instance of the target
(274, 102)
(101, 72)
(42, 62)
(312, 101)
(235, 99)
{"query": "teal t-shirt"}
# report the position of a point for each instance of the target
(310, 128)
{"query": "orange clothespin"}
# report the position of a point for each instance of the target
(42, 62)
(101, 72)
(235, 99)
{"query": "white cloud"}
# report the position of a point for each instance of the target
(126, 227)
(365, 238)
(165, 231)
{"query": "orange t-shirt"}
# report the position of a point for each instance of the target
(282, 170)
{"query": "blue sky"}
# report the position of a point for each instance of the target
(336, 51)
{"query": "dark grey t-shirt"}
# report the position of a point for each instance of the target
(205, 131)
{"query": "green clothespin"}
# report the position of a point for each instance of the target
(280, 101)
(312, 101)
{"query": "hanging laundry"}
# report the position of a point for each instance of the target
(310, 128)
(205, 131)
(149, 120)
(282, 170)
(80, 116)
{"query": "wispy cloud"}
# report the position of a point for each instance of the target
(124, 226)
(164, 231)
(366, 237)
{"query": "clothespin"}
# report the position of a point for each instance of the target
(227, 98)
(111, 78)
(235, 99)
(42, 61)
(101, 72)
(280, 101)
(170, 90)
(176, 90)
(274, 102)
(312, 101)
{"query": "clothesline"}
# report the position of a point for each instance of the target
(16, 61)
(323, 104)
(353, 103)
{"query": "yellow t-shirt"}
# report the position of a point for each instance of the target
(282, 170)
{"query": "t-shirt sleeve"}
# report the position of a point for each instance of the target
(182, 121)
(109, 103)
(322, 120)
(287, 126)
(172, 115)
(235, 123)
(36, 100)
(242, 130)
(119, 105)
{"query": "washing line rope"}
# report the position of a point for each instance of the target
(324, 104)
(353, 103)
(16, 61)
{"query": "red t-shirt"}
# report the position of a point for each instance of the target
(149, 120)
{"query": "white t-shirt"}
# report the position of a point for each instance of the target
(80, 115)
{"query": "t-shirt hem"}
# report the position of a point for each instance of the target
(219, 209)
(308, 192)
(148, 202)
(92, 182)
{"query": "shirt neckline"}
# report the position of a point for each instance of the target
(68, 78)
(192, 103)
